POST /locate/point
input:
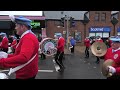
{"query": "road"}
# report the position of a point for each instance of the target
(76, 67)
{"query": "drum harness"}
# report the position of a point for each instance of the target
(12, 70)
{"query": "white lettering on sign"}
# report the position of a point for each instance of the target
(96, 29)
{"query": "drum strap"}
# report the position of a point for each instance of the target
(12, 70)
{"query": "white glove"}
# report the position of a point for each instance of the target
(111, 69)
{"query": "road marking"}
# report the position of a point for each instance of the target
(45, 70)
(56, 66)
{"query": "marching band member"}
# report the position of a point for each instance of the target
(14, 43)
(60, 53)
(4, 43)
(98, 39)
(108, 43)
(26, 50)
(114, 53)
(87, 44)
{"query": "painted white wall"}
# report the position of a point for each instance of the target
(25, 13)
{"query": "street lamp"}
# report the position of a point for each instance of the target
(63, 19)
(114, 21)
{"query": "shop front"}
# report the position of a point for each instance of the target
(7, 26)
(103, 32)
(118, 31)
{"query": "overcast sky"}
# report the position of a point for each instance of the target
(34, 13)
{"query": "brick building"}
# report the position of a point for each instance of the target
(87, 23)
(53, 23)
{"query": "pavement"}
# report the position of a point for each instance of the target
(78, 48)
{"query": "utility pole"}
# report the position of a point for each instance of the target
(67, 31)
(66, 18)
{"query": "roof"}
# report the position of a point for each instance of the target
(24, 13)
(77, 15)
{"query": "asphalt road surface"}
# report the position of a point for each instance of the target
(76, 67)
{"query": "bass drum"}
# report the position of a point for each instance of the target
(3, 75)
(48, 46)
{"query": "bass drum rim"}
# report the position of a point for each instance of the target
(43, 49)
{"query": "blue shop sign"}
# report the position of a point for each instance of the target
(118, 29)
(100, 29)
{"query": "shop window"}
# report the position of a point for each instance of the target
(103, 17)
(5, 24)
(97, 16)
(78, 36)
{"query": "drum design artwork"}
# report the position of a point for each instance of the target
(48, 46)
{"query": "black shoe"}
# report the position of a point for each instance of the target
(61, 69)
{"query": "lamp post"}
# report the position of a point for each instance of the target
(67, 18)
(67, 30)
(114, 21)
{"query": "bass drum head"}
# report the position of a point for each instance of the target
(3, 76)
(48, 46)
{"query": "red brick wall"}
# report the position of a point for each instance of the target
(52, 28)
(99, 23)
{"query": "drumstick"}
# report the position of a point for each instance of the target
(109, 74)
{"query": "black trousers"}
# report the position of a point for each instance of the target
(98, 59)
(59, 58)
(72, 49)
(87, 51)
(43, 56)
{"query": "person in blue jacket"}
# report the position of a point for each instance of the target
(72, 43)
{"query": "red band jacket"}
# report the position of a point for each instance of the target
(26, 48)
(4, 43)
(114, 56)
